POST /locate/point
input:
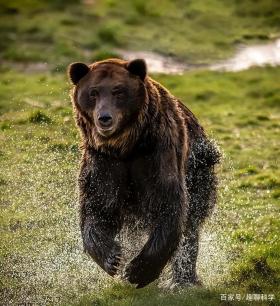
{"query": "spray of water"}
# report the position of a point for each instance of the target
(44, 262)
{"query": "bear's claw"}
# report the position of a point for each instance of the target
(112, 264)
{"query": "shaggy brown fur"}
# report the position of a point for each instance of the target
(145, 158)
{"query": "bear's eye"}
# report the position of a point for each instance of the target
(93, 93)
(118, 92)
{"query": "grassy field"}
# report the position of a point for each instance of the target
(41, 256)
(196, 31)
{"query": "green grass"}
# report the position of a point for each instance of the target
(195, 31)
(40, 241)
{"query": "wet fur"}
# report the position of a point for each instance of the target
(159, 171)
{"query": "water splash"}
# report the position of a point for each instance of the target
(44, 262)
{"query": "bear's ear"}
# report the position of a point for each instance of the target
(138, 67)
(76, 71)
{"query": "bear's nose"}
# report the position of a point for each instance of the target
(105, 120)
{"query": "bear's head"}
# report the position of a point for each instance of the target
(109, 97)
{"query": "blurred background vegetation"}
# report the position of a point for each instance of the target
(41, 258)
(57, 31)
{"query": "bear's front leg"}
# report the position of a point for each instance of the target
(101, 196)
(98, 237)
(164, 238)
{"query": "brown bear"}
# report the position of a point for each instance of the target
(145, 159)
